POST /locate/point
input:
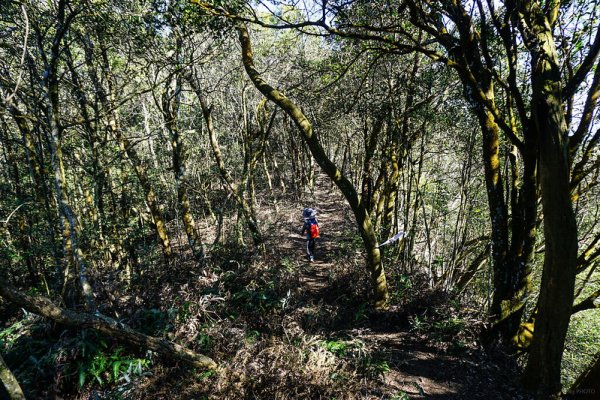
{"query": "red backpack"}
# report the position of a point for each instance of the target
(314, 229)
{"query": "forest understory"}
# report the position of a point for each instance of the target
(278, 326)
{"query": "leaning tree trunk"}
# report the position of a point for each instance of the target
(108, 101)
(511, 275)
(10, 383)
(116, 330)
(365, 227)
(70, 225)
(511, 250)
(95, 205)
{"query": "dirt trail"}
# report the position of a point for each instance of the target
(417, 368)
(331, 208)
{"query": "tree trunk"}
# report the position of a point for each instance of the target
(107, 99)
(511, 271)
(70, 225)
(236, 189)
(170, 109)
(560, 229)
(116, 330)
(11, 385)
(36, 173)
(365, 227)
(95, 204)
(24, 240)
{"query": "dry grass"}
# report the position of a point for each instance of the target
(285, 329)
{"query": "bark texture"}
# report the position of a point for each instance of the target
(587, 385)
(235, 189)
(555, 302)
(11, 385)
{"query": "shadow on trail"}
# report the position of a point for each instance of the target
(331, 299)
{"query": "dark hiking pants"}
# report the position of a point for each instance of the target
(310, 247)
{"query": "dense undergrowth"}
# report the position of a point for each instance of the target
(274, 335)
(250, 316)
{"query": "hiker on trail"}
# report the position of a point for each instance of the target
(311, 229)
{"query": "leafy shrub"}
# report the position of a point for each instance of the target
(109, 366)
(374, 368)
(336, 347)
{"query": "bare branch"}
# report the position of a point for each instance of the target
(5, 222)
(584, 68)
(22, 62)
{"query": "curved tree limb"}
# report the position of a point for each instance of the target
(589, 256)
(43, 306)
(591, 104)
(587, 385)
(236, 189)
(365, 227)
(585, 67)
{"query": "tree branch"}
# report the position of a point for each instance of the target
(42, 306)
(10, 382)
(590, 106)
(591, 302)
(584, 68)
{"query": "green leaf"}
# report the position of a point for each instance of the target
(81, 377)
(116, 370)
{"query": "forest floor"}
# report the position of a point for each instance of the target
(280, 327)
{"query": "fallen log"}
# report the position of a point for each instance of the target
(116, 330)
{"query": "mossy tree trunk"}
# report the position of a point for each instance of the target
(170, 108)
(236, 189)
(107, 98)
(560, 228)
(90, 113)
(10, 383)
(365, 227)
(512, 244)
(71, 230)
